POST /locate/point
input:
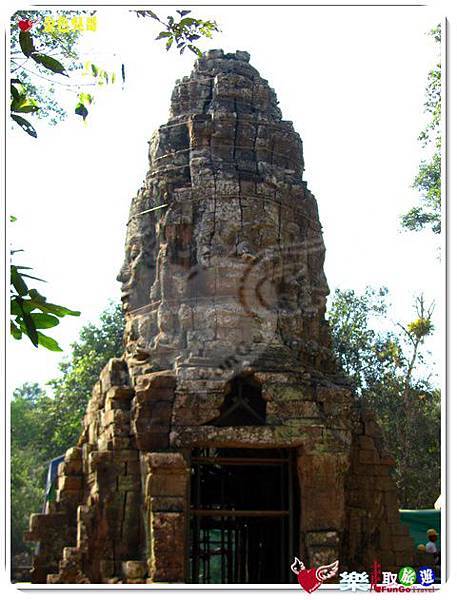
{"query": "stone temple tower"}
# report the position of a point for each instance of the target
(225, 441)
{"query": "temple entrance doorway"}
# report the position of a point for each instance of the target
(244, 516)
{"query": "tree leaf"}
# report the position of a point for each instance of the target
(15, 331)
(44, 321)
(25, 108)
(164, 34)
(85, 98)
(195, 50)
(26, 43)
(25, 125)
(30, 276)
(17, 282)
(27, 325)
(14, 308)
(48, 342)
(55, 309)
(81, 110)
(49, 63)
(24, 105)
(20, 305)
(35, 295)
(147, 13)
(14, 92)
(188, 22)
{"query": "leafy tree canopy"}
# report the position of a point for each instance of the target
(428, 179)
(387, 367)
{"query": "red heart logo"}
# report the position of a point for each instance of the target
(25, 25)
(308, 580)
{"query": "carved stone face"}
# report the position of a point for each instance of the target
(127, 274)
(138, 269)
(130, 276)
(228, 265)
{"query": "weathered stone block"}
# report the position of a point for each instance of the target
(73, 454)
(167, 561)
(72, 467)
(69, 482)
(369, 457)
(120, 443)
(384, 483)
(167, 503)
(134, 569)
(127, 483)
(106, 568)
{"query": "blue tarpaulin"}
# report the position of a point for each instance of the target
(418, 521)
(51, 477)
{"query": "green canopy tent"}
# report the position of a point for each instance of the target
(418, 521)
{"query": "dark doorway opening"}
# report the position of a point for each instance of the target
(243, 404)
(244, 516)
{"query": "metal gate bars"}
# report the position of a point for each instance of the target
(242, 510)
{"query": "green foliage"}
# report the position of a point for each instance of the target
(44, 426)
(361, 350)
(420, 327)
(21, 103)
(27, 493)
(26, 43)
(27, 462)
(49, 63)
(38, 54)
(428, 178)
(100, 77)
(30, 311)
(428, 183)
(71, 391)
(81, 108)
(184, 31)
(382, 362)
(19, 100)
(24, 425)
